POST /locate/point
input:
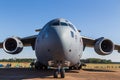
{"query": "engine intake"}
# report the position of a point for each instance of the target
(13, 45)
(104, 46)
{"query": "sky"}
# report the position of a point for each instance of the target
(95, 18)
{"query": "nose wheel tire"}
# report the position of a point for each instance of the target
(62, 73)
(55, 74)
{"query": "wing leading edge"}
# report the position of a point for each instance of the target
(29, 41)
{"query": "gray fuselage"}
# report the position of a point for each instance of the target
(59, 41)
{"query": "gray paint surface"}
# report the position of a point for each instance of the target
(56, 43)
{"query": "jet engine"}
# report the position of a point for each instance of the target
(13, 45)
(103, 46)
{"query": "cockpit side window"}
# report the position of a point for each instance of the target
(72, 34)
(63, 24)
(71, 26)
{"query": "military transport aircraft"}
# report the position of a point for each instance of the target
(58, 45)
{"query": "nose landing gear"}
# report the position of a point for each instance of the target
(61, 72)
(58, 67)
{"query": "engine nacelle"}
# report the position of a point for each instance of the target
(13, 45)
(104, 46)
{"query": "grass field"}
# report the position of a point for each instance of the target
(102, 66)
(16, 64)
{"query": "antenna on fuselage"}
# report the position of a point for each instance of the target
(37, 30)
(79, 30)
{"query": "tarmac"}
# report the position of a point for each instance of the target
(33, 74)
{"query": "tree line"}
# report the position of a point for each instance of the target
(17, 60)
(96, 60)
(89, 60)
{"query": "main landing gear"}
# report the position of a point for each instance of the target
(59, 71)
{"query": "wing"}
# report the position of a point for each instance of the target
(117, 47)
(29, 41)
(88, 42)
(1, 45)
(101, 45)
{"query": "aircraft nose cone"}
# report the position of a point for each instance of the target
(55, 44)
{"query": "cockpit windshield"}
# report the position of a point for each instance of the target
(57, 23)
(62, 23)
